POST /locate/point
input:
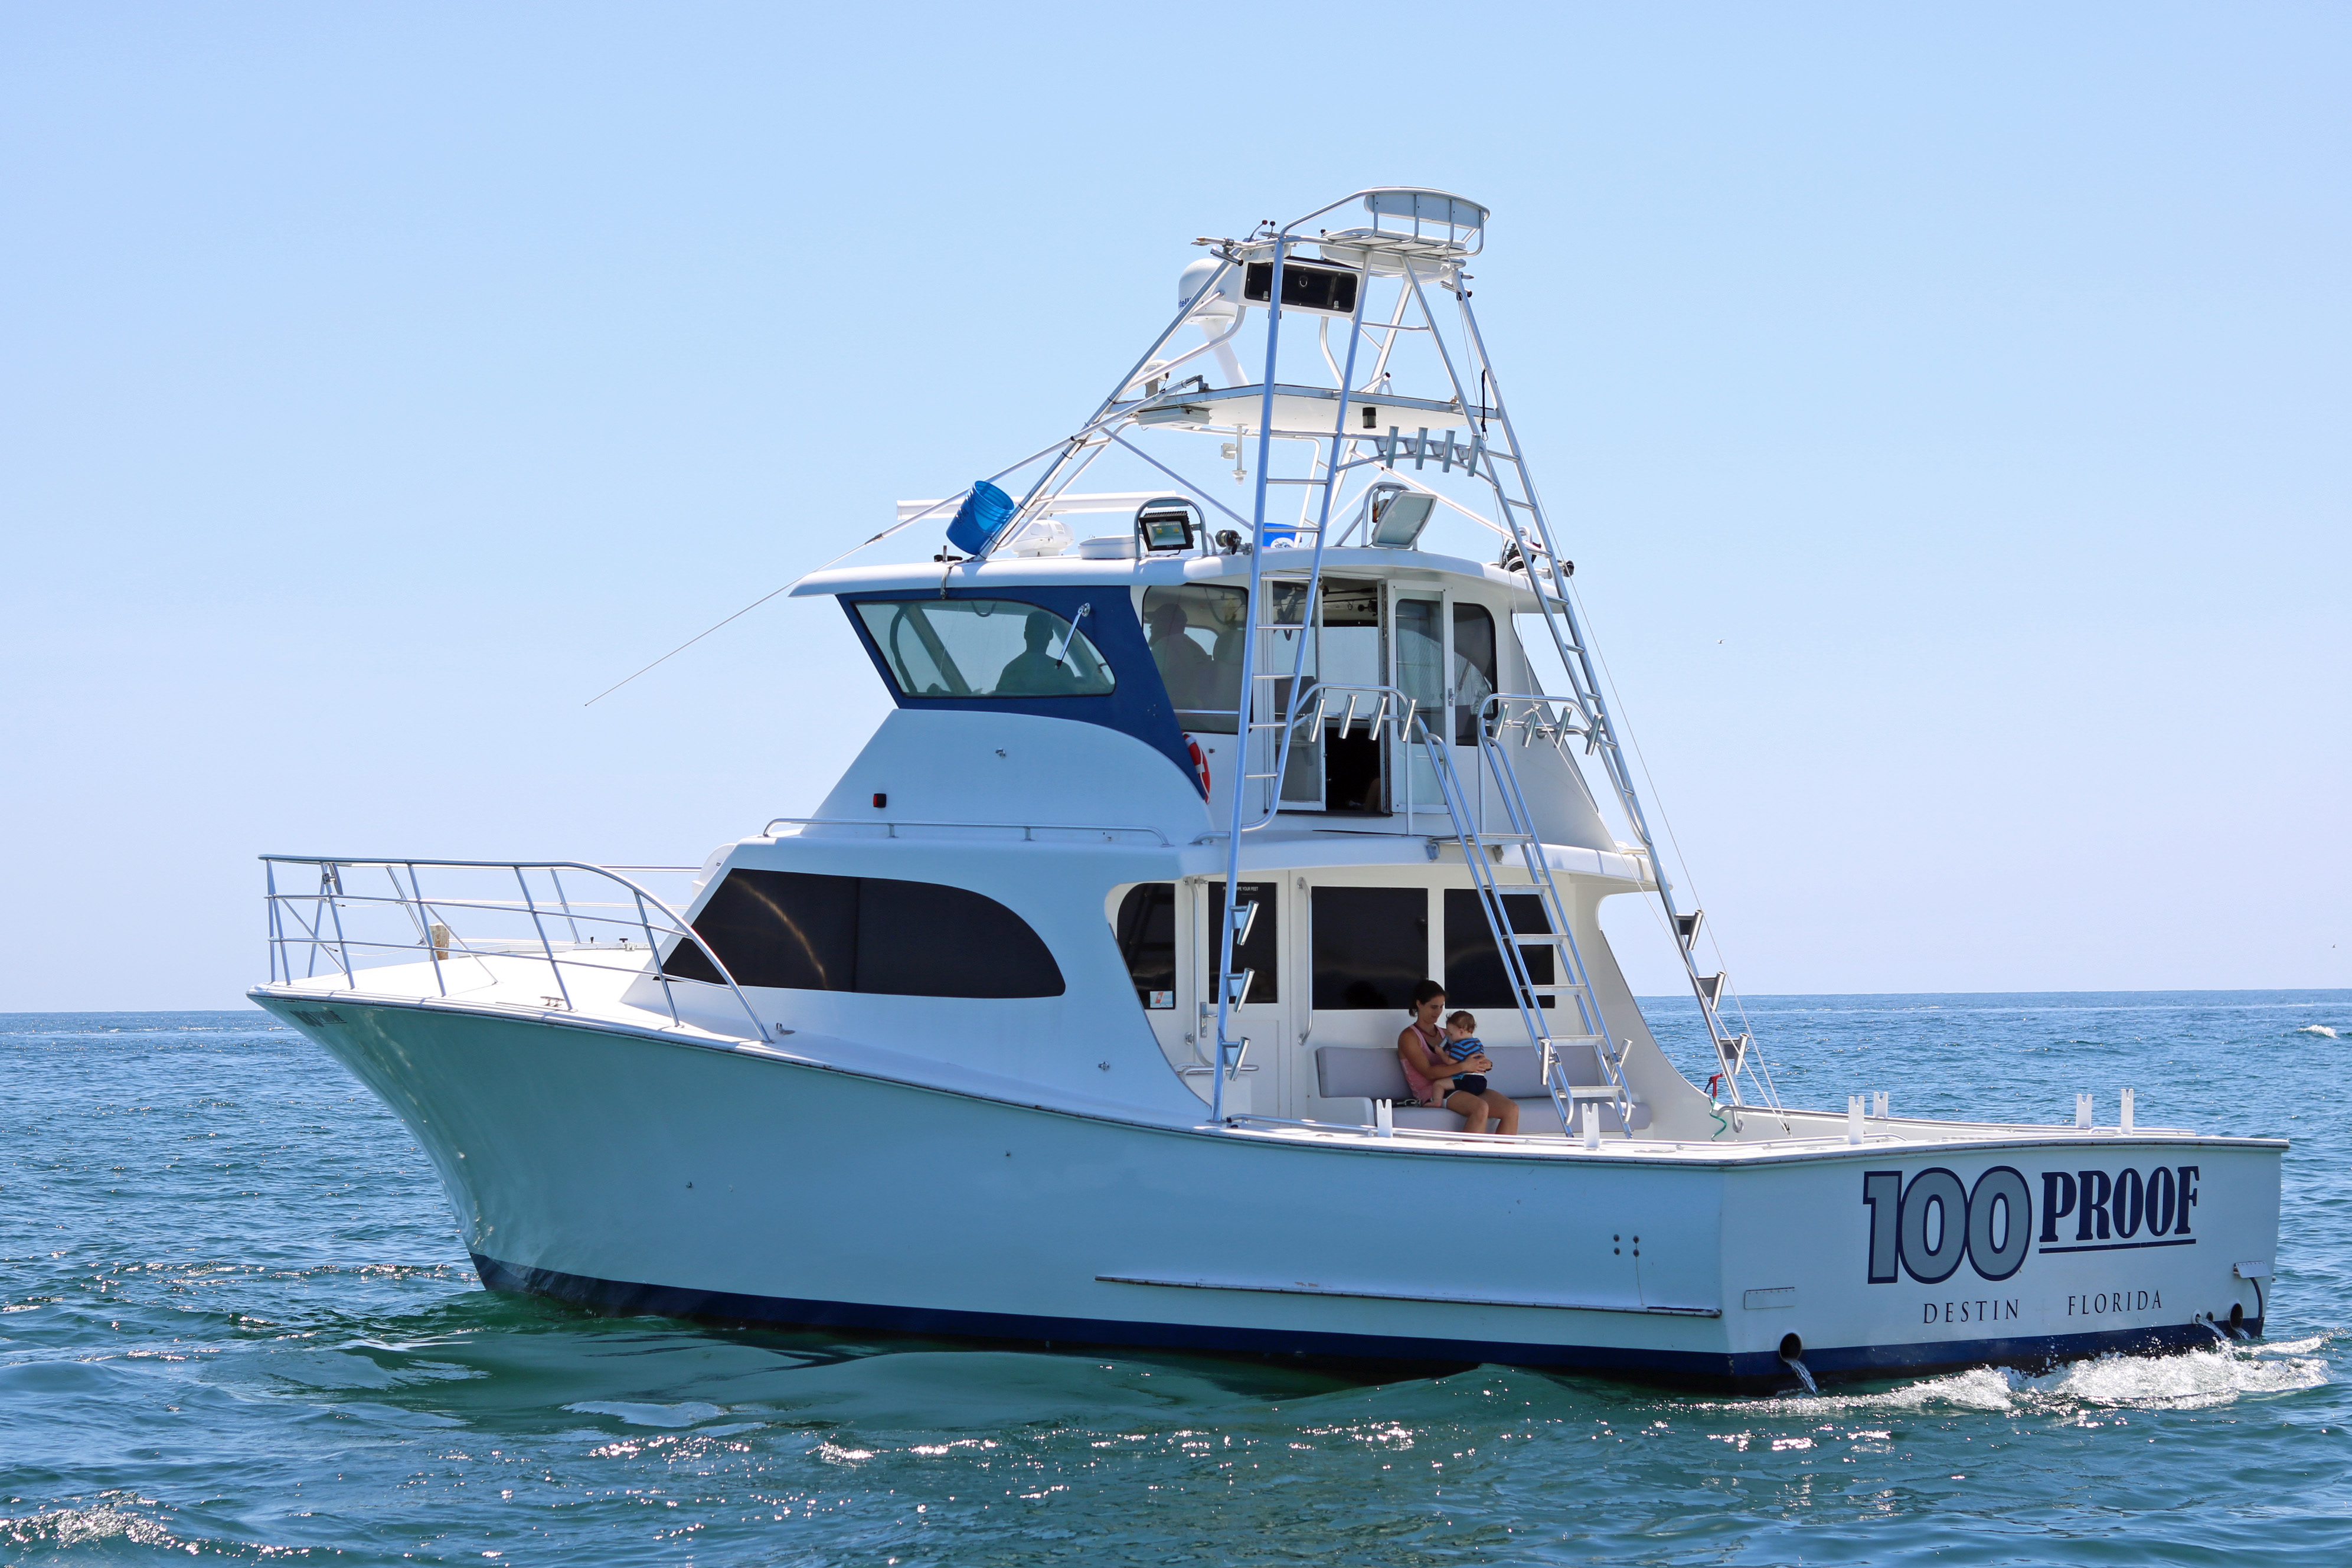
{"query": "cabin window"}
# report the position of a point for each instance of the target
(1146, 930)
(1474, 674)
(1196, 633)
(795, 932)
(984, 648)
(1475, 977)
(1371, 945)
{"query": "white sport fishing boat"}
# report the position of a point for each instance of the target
(1071, 1014)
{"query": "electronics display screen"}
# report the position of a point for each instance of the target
(1304, 286)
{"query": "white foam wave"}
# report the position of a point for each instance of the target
(685, 1414)
(2190, 1380)
(2287, 1347)
(82, 1526)
(2320, 1029)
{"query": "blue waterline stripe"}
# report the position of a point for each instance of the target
(1747, 1370)
(2123, 1246)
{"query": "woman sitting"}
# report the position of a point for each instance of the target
(1436, 1078)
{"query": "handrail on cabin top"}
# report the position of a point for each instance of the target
(1026, 830)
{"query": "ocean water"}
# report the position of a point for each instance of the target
(235, 1322)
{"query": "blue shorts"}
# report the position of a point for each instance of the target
(1468, 1083)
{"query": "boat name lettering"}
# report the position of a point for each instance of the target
(1924, 1226)
(2115, 1207)
(2100, 1301)
(1991, 1312)
(1927, 1224)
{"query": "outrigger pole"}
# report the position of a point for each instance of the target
(1227, 1000)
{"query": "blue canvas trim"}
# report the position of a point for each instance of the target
(1749, 1371)
(1138, 706)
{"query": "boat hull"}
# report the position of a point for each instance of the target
(635, 1174)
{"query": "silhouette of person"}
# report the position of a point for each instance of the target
(1184, 665)
(1035, 672)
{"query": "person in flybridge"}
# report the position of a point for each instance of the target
(1183, 664)
(1036, 672)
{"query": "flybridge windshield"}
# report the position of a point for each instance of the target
(1196, 633)
(984, 647)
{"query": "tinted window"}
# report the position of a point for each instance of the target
(777, 928)
(1196, 633)
(1259, 952)
(795, 932)
(984, 648)
(1371, 946)
(1474, 671)
(1146, 931)
(1473, 970)
(919, 939)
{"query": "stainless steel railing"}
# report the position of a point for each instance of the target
(1028, 830)
(333, 919)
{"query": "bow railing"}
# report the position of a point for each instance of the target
(341, 917)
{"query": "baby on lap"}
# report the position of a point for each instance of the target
(1461, 1045)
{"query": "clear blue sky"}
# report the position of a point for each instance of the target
(1946, 408)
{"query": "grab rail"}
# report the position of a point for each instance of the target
(324, 933)
(1028, 830)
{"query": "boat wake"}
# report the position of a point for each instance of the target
(2192, 1380)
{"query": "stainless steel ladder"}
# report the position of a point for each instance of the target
(1483, 852)
(1535, 550)
(1271, 600)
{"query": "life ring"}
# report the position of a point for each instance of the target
(1200, 761)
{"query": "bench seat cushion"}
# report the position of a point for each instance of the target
(1371, 1072)
(1536, 1116)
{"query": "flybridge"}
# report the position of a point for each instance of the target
(1374, 410)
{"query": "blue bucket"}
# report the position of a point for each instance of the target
(981, 518)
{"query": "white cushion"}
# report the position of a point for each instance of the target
(1370, 1073)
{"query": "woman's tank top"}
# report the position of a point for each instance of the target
(1422, 1089)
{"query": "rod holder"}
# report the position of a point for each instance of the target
(1591, 1125)
(2127, 1120)
(2081, 1111)
(1854, 1118)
